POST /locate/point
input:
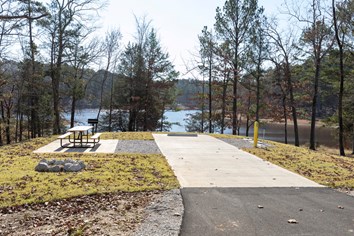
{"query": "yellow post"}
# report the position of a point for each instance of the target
(255, 133)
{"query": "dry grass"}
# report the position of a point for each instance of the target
(227, 136)
(20, 184)
(128, 135)
(321, 166)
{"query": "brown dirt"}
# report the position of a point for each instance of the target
(104, 214)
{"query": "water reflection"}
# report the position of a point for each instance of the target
(325, 136)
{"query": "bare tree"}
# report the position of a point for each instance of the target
(65, 16)
(317, 35)
(80, 56)
(14, 13)
(207, 51)
(284, 50)
(111, 46)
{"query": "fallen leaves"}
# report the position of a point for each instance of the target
(292, 221)
(101, 214)
(128, 135)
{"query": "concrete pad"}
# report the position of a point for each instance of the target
(205, 161)
(104, 146)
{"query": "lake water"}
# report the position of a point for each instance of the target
(275, 132)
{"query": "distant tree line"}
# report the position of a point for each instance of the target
(252, 68)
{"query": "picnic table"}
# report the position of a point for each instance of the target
(80, 137)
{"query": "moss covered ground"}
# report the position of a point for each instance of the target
(128, 135)
(20, 184)
(322, 166)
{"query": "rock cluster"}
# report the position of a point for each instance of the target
(60, 166)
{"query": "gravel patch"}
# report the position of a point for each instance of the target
(137, 146)
(239, 143)
(164, 216)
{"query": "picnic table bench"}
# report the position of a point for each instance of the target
(78, 136)
(63, 136)
(95, 137)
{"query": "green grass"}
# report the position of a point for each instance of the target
(322, 167)
(20, 184)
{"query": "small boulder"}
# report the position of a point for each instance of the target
(54, 169)
(75, 167)
(59, 162)
(42, 167)
(82, 164)
(51, 162)
(68, 167)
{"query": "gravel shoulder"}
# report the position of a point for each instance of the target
(239, 143)
(163, 216)
(137, 146)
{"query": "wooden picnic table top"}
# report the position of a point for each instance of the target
(80, 128)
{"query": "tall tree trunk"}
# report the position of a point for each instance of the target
(292, 103)
(147, 102)
(73, 109)
(33, 98)
(16, 126)
(55, 84)
(248, 109)
(234, 103)
(110, 107)
(7, 127)
(1, 141)
(223, 106)
(162, 115)
(341, 87)
(105, 75)
(285, 120)
(28, 128)
(132, 118)
(21, 127)
(258, 90)
(210, 91)
(247, 125)
(203, 105)
(340, 104)
(314, 106)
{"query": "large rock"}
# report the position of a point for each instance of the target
(82, 164)
(55, 168)
(59, 162)
(42, 167)
(60, 165)
(69, 167)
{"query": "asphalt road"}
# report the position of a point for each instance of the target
(238, 211)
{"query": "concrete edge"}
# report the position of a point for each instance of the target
(182, 135)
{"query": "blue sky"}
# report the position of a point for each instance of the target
(178, 22)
